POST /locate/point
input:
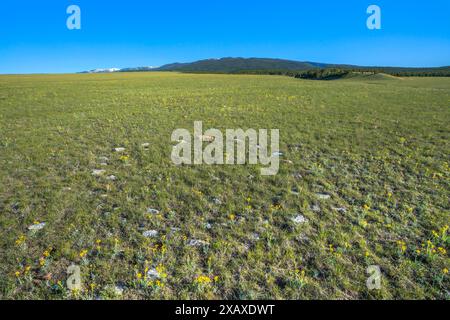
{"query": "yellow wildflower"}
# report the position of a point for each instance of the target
(445, 271)
(203, 279)
(20, 240)
(83, 253)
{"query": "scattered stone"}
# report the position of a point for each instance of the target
(255, 236)
(217, 201)
(119, 149)
(152, 211)
(297, 175)
(98, 172)
(197, 243)
(103, 159)
(118, 290)
(112, 177)
(150, 233)
(294, 191)
(145, 145)
(340, 209)
(103, 164)
(315, 208)
(277, 154)
(208, 226)
(37, 226)
(175, 229)
(153, 274)
(323, 196)
(299, 219)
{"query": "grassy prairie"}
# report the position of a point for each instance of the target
(379, 147)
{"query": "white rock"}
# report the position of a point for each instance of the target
(323, 196)
(150, 233)
(152, 211)
(299, 219)
(119, 149)
(277, 154)
(36, 227)
(118, 290)
(112, 178)
(98, 172)
(315, 208)
(153, 274)
(145, 145)
(255, 236)
(197, 243)
(340, 209)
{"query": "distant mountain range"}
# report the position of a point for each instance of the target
(261, 65)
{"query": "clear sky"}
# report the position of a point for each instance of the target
(129, 33)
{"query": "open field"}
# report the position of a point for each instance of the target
(378, 147)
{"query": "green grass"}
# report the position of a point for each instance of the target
(379, 148)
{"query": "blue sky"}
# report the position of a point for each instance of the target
(34, 37)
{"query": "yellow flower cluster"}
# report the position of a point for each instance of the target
(203, 279)
(197, 192)
(402, 245)
(276, 207)
(25, 271)
(83, 253)
(20, 240)
(161, 271)
(158, 248)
